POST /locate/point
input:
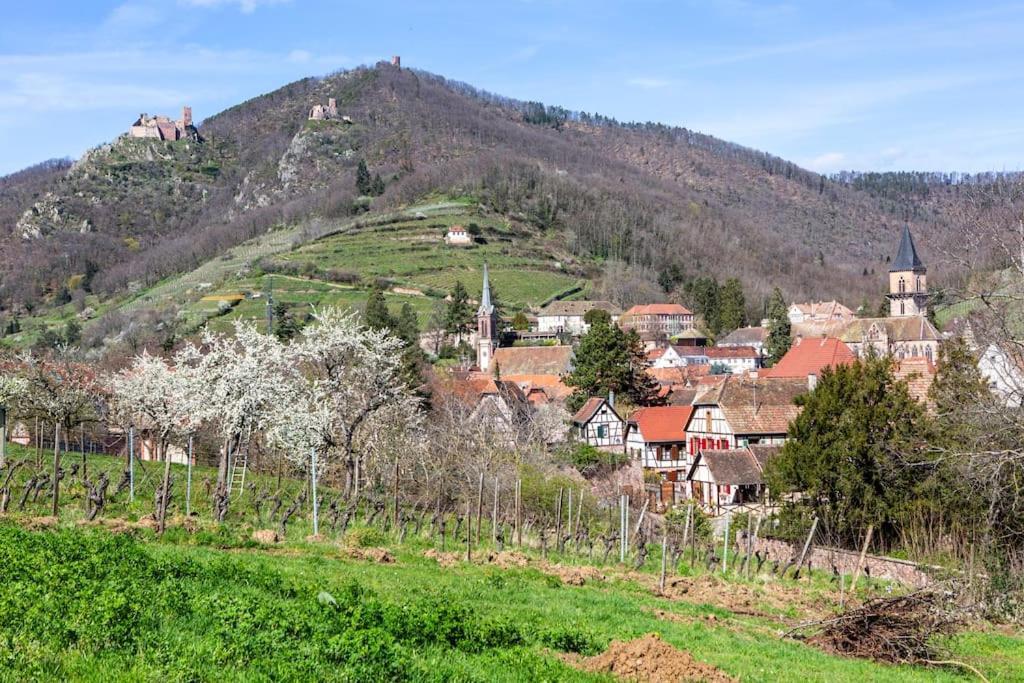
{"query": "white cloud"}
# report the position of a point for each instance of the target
(245, 6)
(299, 56)
(132, 16)
(649, 83)
(826, 163)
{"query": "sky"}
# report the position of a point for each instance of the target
(864, 85)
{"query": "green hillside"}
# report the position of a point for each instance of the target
(403, 251)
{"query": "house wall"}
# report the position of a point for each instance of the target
(720, 435)
(662, 457)
(613, 428)
(557, 323)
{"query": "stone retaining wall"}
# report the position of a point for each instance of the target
(845, 561)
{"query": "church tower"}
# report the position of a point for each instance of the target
(908, 287)
(486, 327)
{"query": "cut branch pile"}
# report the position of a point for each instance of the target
(900, 630)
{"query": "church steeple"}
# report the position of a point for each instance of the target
(908, 286)
(486, 326)
(486, 307)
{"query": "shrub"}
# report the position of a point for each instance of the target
(365, 537)
(572, 639)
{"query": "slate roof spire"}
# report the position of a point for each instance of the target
(486, 307)
(906, 257)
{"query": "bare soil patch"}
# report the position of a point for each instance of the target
(650, 660)
(738, 597)
(444, 559)
(574, 576)
(378, 555)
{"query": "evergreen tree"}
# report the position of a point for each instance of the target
(72, 332)
(850, 451)
(732, 309)
(375, 313)
(285, 325)
(520, 322)
(702, 296)
(459, 316)
(376, 186)
(364, 185)
(609, 359)
(407, 326)
(779, 339)
(957, 383)
(595, 315)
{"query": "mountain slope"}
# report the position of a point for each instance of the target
(135, 212)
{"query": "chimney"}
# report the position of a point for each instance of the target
(396, 61)
(186, 116)
(812, 381)
(611, 398)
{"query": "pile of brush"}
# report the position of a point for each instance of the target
(901, 630)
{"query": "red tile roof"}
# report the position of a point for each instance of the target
(810, 357)
(658, 309)
(587, 411)
(533, 360)
(919, 373)
(731, 352)
(661, 424)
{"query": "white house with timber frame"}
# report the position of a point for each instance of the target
(598, 424)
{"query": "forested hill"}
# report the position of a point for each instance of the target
(651, 196)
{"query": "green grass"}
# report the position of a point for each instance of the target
(84, 605)
(206, 602)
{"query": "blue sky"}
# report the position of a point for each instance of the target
(862, 85)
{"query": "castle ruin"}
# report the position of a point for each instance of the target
(329, 112)
(163, 128)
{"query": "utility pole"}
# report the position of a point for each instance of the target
(270, 304)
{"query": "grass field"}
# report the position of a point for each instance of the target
(113, 602)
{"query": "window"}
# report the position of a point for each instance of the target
(675, 452)
(903, 310)
(903, 286)
(602, 431)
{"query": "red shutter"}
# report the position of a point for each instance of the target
(703, 444)
(675, 451)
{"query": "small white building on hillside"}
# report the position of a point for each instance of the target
(458, 236)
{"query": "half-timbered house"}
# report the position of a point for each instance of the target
(656, 438)
(742, 410)
(598, 424)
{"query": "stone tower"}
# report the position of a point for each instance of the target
(908, 286)
(396, 61)
(186, 117)
(486, 327)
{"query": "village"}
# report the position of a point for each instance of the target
(719, 413)
(682, 345)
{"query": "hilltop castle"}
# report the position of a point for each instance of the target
(163, 128)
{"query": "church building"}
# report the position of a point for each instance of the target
(907, 332)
